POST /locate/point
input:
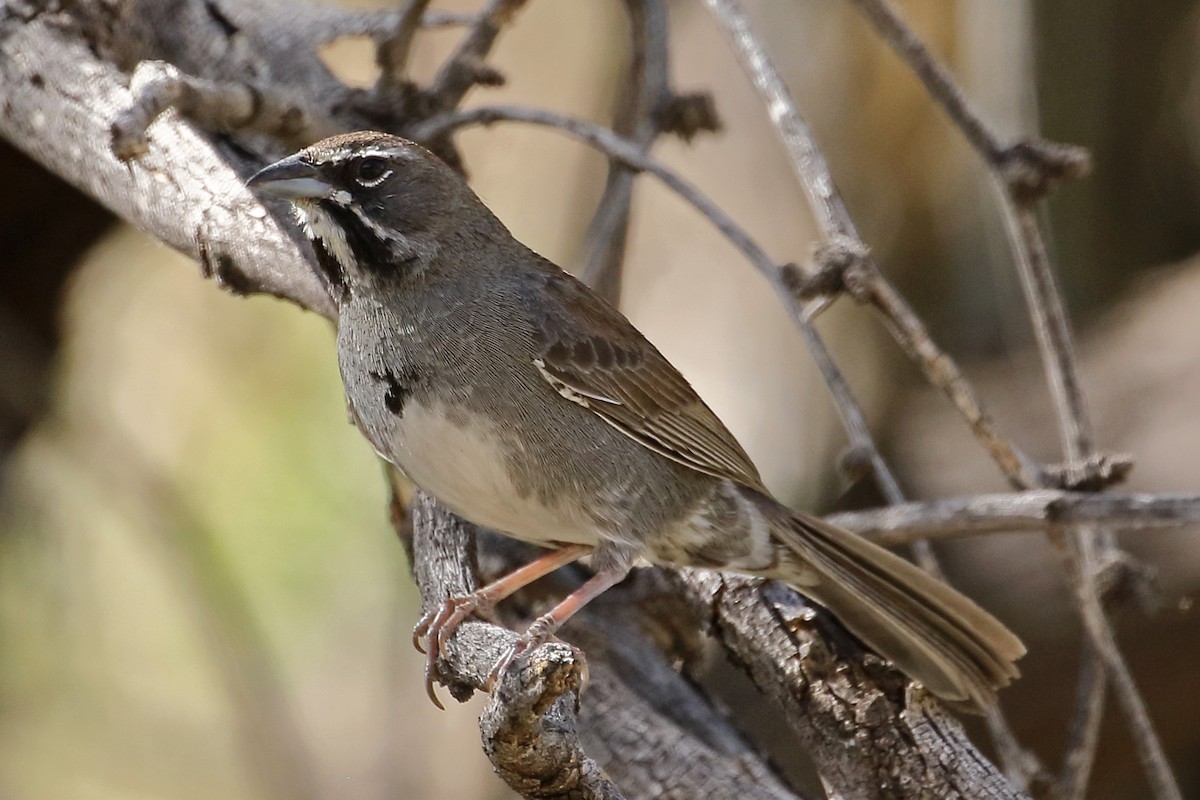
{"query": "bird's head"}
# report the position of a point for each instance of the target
(375, 206)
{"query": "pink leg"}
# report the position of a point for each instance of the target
(545, 626)
(439, 624)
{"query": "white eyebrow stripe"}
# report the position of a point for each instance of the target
(401, 153)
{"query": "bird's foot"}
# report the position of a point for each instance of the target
(435, 628)
(541, 631)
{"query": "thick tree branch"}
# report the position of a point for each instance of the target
(59, 103)
(529, 727)
(636, 710)
(158, 86)
(870, 732)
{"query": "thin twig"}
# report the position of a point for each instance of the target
(645, 89)
(847, 249)
(941, 371)
(1030, 166)
(1150, 751)
(1038, 510)
(1025, 171)
(1053, 332)
(1056, 347)
(614, 146)
(393, 52)
(465, 67)
(1083, 733)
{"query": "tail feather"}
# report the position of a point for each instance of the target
(933, 633)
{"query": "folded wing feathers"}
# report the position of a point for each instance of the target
(658, 409)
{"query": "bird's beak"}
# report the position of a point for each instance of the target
(290, 178)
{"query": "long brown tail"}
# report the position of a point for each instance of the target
(933, 633)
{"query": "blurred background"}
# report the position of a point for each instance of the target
(200, 595)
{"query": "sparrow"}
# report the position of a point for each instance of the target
(527, 404)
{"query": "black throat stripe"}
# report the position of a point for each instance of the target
(330, 268)
(371, 252)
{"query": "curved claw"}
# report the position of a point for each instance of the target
(422, 629)
(431, 676)
(436, 627)
(538, 633)
(433, 620)
(520, 646)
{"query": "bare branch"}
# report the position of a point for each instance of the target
(1083, 734)
(202, 209)
(613, 146)
(845, 247)
(1030, 167)
(1053, 332)
(466, 67)
(1026, 171)
(530, 724)
(392, 53)
(1154, 759)
(646, 89)
(869, 730)
(1038, 510)
(863, 278)
(158, 86)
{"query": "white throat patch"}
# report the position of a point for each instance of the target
(318, 225)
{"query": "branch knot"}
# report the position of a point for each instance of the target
(856, 462)
(686, 115)
(1092, 474)
(839, 265)
(1031, 167)
(1122, 577)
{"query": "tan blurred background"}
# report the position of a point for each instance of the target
(199, 593)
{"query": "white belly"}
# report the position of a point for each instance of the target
(462, 466)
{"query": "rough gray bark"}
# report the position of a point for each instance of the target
(657, 733)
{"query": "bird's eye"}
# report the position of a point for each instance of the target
(371, 171)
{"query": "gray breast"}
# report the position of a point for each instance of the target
(453, 398)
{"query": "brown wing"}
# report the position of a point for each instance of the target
(592, 355)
